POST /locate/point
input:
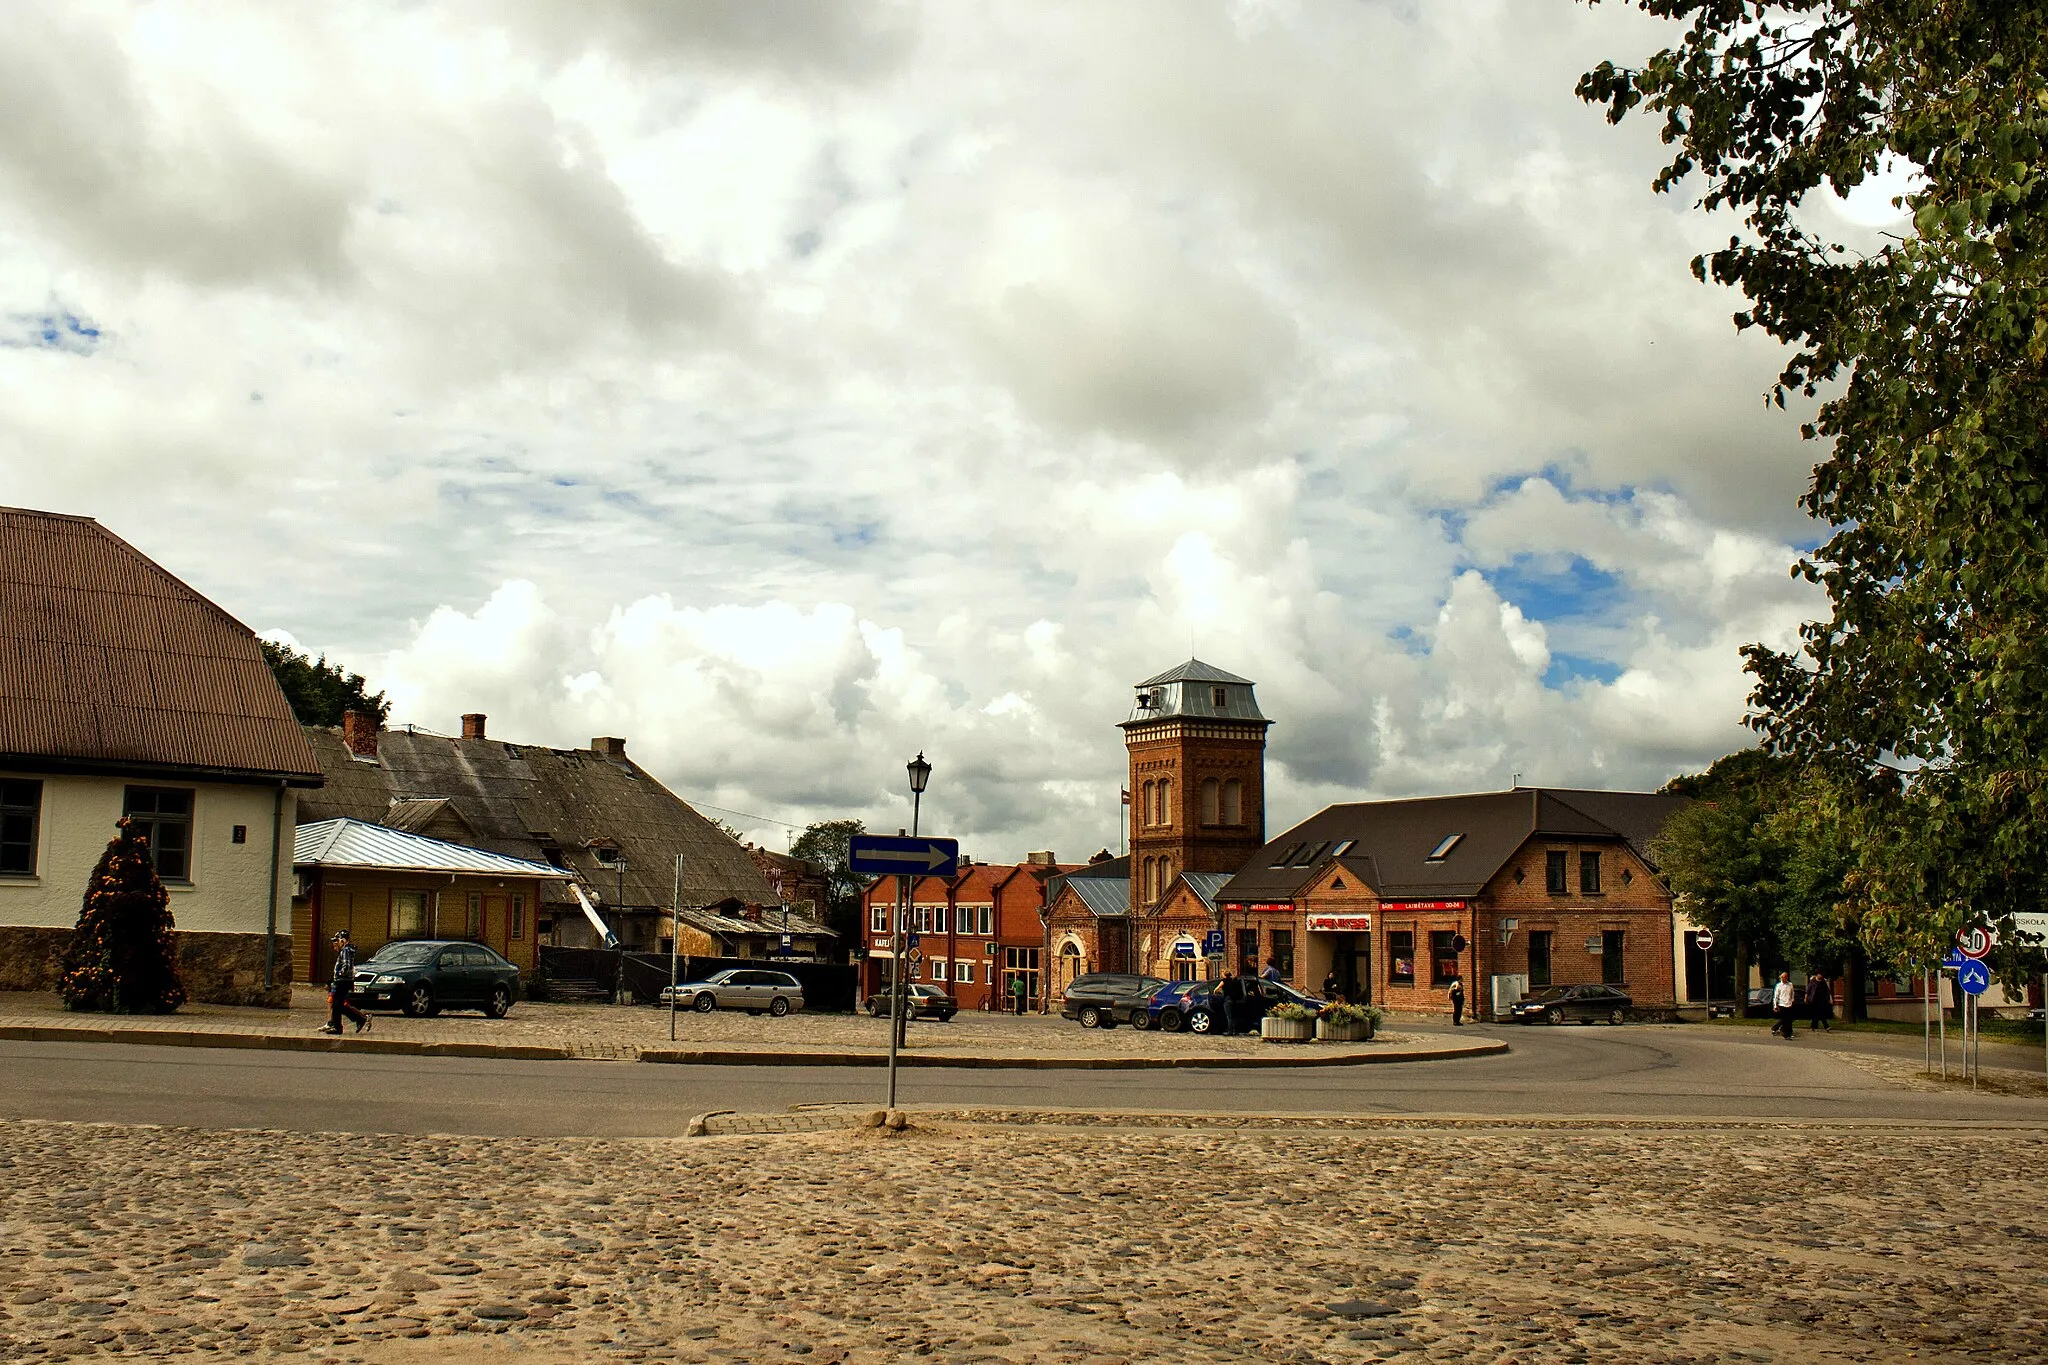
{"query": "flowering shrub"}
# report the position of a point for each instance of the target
(123, 956)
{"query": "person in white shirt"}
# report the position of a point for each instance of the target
(1783, 1003)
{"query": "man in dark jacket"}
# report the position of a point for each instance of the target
(1820, 1003)
(1230, 991)
(342, 986)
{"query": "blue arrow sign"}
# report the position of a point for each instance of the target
(886, 854)
(1973, 976)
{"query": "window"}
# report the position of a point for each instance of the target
(1212, 801)
(519, 918)
(409, 914)
(1401, 957)
(1443, 849)
(163, 815)
(1165, 797)
(21, 804)
(1611, 956)
(239, 834)
(1589, 874)
(1282, 955)
(1247, 949)
(1539, 957)
(938, 969)
(1219, 697)
(1310, 853)
(1287, 855)
(1165, 876)
(1443, 956)
(878, 917)
(964, 972)
(1146, 808)
(1233, 802)
(476, 915)
(1553, 872)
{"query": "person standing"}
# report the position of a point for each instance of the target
(1017, 991)
(1230, 990)
(1784, 1002)
(1820, 1003)
(1272, 972)
(1457, 1001)
(1330, 984)
(341, 986)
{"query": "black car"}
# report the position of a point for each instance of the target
(1555, 1004)
(1106, 999)
(424, 977)
(925, 1002)
(1204, 1012)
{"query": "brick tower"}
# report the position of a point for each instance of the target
(1198, 777)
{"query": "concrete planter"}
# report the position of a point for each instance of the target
(1287, 1030)
(1344, 1031)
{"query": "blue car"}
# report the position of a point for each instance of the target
(1168, 1008)
(1190, 1005)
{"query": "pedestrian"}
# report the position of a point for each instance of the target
(1457, 1001)
(1330, 984)
(341, 986)
(1230, 990)
(1784, 1001)
(1017, 991)
(1820, 1003)
(1272, 972)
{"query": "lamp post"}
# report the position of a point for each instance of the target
(619, 961)
(920, 773)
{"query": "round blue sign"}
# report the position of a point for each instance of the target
(1974, 977)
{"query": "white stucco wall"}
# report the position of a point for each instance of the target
(227, 892)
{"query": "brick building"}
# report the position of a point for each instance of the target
(975, 930)
(1508, 890)
(1087, 923)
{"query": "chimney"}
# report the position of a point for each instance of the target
(473, 725)
(609, 746)
(359, 732)
(1043, 859)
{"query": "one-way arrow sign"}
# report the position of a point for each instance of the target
(882, 854)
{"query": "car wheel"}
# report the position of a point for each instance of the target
(1091, 1017)
(778, 1007)
(1617, 1017)
(501, 1003)
(1140, 1020)
(1170, 1021)
(874, 1009)
(419, 1002)
(1553, 1015)
(705, 1003)
(1201, 1021)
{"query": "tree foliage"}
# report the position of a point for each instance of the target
(825, 843)
(320, 692)
(123, 954)
(1928, 355)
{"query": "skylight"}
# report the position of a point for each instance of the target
(1443, 849)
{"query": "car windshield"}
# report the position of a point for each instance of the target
(405, 954)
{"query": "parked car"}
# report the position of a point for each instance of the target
(738, 988)
(1205, 1012)
(423, 977)
(1555, 1004)
(1106, 999)
(1166, 1009)
(924, 1002)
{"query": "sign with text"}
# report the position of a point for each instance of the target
(1340, 924)
(1266, 907)
(1422, 905)
(881, 855)
(2031, 923)
(1976, 941)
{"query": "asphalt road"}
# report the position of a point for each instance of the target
(1651, 1072)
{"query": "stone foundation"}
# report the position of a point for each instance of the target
(219, 969)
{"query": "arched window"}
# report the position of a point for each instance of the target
(1233, 802)
(1145, 816)
(1212, 808)
(1165, 876)
(1150, 884)
(1165, 800)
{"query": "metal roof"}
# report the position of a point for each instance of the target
(1194, 670)
(1189, 692)
(1105, 897)
(353, 843)
(1206, 885)
(108, 660)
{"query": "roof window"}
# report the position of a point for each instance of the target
(1344, 848)
(1287, 855)
(1311, 852)
(1443, 848)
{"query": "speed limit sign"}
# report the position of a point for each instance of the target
(1976, 941)
(1705, 938)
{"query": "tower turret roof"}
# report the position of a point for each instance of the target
(1195, 690)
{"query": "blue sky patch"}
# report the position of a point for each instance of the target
(64, 331)
(1570, 668)
(1547, 593)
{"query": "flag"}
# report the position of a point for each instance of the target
(1127, 796)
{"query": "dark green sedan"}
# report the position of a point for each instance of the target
(424, 977)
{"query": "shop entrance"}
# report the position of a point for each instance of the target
(1351, 964)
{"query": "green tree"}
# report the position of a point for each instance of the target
(123, 954)
(1722, 858)
(1929, 355)
(825, 844)
(319, 692)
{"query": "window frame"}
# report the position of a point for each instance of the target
(1441, 952)
(154, 821)
(1614, 957)
(878, 917)
(1247, 948)
(27, 809)
(1589, 872)
(1548, 938)
(1281, 952)
(396, 928)
(1557, 872)
(1399, 940)
(963, 971)
(518, 933)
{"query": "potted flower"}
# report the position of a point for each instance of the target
(1342, 1023)
(1288, 1023)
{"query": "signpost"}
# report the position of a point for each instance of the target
(882, 855)
(1212, 943)
(1976, 942)
(1705, 939)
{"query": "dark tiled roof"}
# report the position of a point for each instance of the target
(526, 801)
(1387, 843)
(106, 659)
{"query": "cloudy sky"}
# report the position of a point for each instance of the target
(792, 385)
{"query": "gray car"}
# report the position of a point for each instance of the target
(752, 989)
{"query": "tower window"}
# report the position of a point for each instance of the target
(1212, 801)
(1165, 795)
(1233, 802)
(1219, 697)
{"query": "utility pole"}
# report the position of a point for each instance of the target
(920, 773)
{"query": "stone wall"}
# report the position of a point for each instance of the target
(219, 969)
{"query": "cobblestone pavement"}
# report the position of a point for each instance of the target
(972, 1242)
(621, 1033)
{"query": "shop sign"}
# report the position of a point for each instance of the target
(1422, 905)
(1340, 924)
(1269, 907)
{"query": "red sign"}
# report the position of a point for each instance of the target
(1976, 941)
(1282, 907)
(1422, 905)
(1341, 924)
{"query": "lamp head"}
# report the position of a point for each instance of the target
(920, 772)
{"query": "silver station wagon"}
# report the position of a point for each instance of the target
(738, 988)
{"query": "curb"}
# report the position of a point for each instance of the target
(667, 1057)
(279, 1042)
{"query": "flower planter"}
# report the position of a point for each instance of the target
(1287, 1030)
(1344, 1030)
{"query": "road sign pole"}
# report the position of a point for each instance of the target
(1941, 1024)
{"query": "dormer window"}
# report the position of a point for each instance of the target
(1443, 848)
(1218, 696)
(606, 854)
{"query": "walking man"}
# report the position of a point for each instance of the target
(1784, 1000)
(1820, 1003)
(1017, 990)
(342, 986)
(1457, 1001)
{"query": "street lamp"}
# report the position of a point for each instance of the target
(619, 962)
(920, 773)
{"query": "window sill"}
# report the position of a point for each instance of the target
(20, 879)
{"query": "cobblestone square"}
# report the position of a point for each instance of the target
(971, 1238)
